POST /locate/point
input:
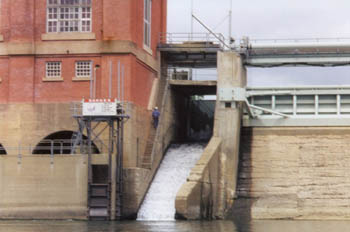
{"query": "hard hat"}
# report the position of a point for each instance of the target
(156, 108)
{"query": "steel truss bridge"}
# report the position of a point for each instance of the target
(199, 50)
(290, 106)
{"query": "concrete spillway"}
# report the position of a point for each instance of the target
(159, 203)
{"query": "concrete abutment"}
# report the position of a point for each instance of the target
(211, 188)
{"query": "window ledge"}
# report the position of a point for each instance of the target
(148, 49)
(52, 79)
(68, 36)
(81, 78)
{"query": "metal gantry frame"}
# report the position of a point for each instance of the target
(95, 127)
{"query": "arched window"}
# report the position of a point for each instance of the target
(2, 150)
(60, 142)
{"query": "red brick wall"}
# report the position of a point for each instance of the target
(141, 84)
(21, 70)
(4, 75)
(61, 91)
(22, 76)
(117, 19)
(104, 82)
(21, 20)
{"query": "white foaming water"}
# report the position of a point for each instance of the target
(159, 203)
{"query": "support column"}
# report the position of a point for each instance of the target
(112, 168)
(227, 125)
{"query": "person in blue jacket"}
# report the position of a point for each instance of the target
(155, 116)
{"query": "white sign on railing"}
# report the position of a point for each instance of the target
(99, 107)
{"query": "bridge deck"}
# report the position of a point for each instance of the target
(190, 87)
(183, 50)
(191, 54)
(296, 52)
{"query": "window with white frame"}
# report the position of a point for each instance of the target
(69, 15)
(53, 69)
(83, 69)
(147, 22)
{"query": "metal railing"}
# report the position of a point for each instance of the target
(293, 46)
(297, 40)
(160, 144)
(208, 39)
(182, 74)
(2, 151)
(51, 147)
(314, 101)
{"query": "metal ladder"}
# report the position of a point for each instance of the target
(99, 201)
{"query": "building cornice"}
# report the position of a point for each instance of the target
(68, 36)
(84, 47)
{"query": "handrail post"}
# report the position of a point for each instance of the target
(19, 154)
(51, 148)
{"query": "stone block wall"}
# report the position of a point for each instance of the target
(299, 173)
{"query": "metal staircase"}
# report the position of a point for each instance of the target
(147, 156)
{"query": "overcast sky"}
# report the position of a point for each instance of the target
(272, 19)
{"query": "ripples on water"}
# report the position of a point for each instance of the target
(172, 226)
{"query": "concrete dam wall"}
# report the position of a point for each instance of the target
(266, 172)
(296, 172)
(39, 187)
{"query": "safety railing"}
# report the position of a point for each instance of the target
(2, 151)
(293, 46)
(207, 39)
(188, 74)
(299, 40)
(52, 147)
(164, 131)
(321, 101)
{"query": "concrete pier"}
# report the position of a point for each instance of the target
(227, 125)
(210, 189)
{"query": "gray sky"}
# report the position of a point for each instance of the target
(272, 19)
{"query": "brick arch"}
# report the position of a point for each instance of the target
(61, 141)
(2, 150)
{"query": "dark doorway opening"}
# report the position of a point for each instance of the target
(200, 119)
(60, 143)
(2, 150)
(195, 118)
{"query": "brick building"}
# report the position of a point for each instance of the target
(49, 52)
(50, 48)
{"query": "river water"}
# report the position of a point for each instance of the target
(172, 226)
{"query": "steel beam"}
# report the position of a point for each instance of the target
(297, 60)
